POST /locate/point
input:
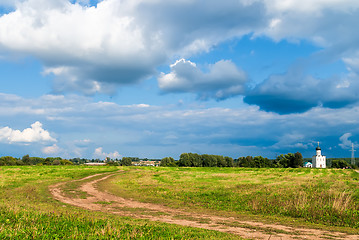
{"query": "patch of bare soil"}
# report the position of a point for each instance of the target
(106, 202)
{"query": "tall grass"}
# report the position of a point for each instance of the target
(28, 211)
(325, 196)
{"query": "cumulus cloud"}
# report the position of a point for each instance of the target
(29, 135)
(100, 154)
(345, 143)
(50, 150)
(222, 80)
(295, 92)
(320, 23)
(94, 48)
(294, 140)
(317, 21)
(169, 130)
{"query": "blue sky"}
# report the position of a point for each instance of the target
(158, 78)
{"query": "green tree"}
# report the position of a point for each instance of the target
(261, 162)
(8, 161)
(48, 161)
(297, 161)
(229, 161)
(112, 163)
(56, 162)
(340, 163)
(209, 160)
(65, 162)
(221, 162)
(195, 159)
(26, 159)
(167, 162)
(283, 161)
(246, 162)
(126, 161)
(184, 160)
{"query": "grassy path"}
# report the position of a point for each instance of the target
(29, 211)
(84, 193)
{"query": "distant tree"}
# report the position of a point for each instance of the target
(195, 159)
(297, 161)
(283, 161)
(204, 160)
(19, 162)
(340, 163)
(184, 160)
(229, 161)
(8, 161)
(48, 161)
(65, 162)
(221, 162)
(112, 163)
(209, 160)
(167, 162)
(246, 162)
(126, 161)
(36, 160)
(261, 162)
(56, 162)
(26, 159)
(290, 160)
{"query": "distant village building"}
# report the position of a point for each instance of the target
(308, 165)
(95, 164)
(318, 160)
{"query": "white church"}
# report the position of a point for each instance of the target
(318, 160)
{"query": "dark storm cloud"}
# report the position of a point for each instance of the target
(295, 93)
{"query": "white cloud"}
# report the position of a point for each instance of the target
(29, 135)
(319, 21)
(82, 143)
(162, 131)
(100, 154)
(50, 150)
(345, 142)
(86, 48)
(222, 80)
(294, 140)
(310, 5)
(93, 49)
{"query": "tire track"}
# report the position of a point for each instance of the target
(106, 202)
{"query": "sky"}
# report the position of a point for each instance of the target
(157, 78)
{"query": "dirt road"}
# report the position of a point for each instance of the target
(102, 201)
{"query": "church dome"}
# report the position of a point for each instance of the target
(318, 148)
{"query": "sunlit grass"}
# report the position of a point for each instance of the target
(325, 196)
(28, 211)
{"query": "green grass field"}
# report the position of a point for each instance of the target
(28, 211)
(324, 197)
(317, 198)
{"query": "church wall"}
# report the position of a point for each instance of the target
(319, 161)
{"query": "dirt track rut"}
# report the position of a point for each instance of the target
(102, 201)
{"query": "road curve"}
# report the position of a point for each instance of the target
(103, 201)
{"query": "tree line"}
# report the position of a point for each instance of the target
(185, 160)
(293, 160)
(290, 160)
(27, 160)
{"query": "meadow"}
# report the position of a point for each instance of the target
(28, 211)
(312, 197)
